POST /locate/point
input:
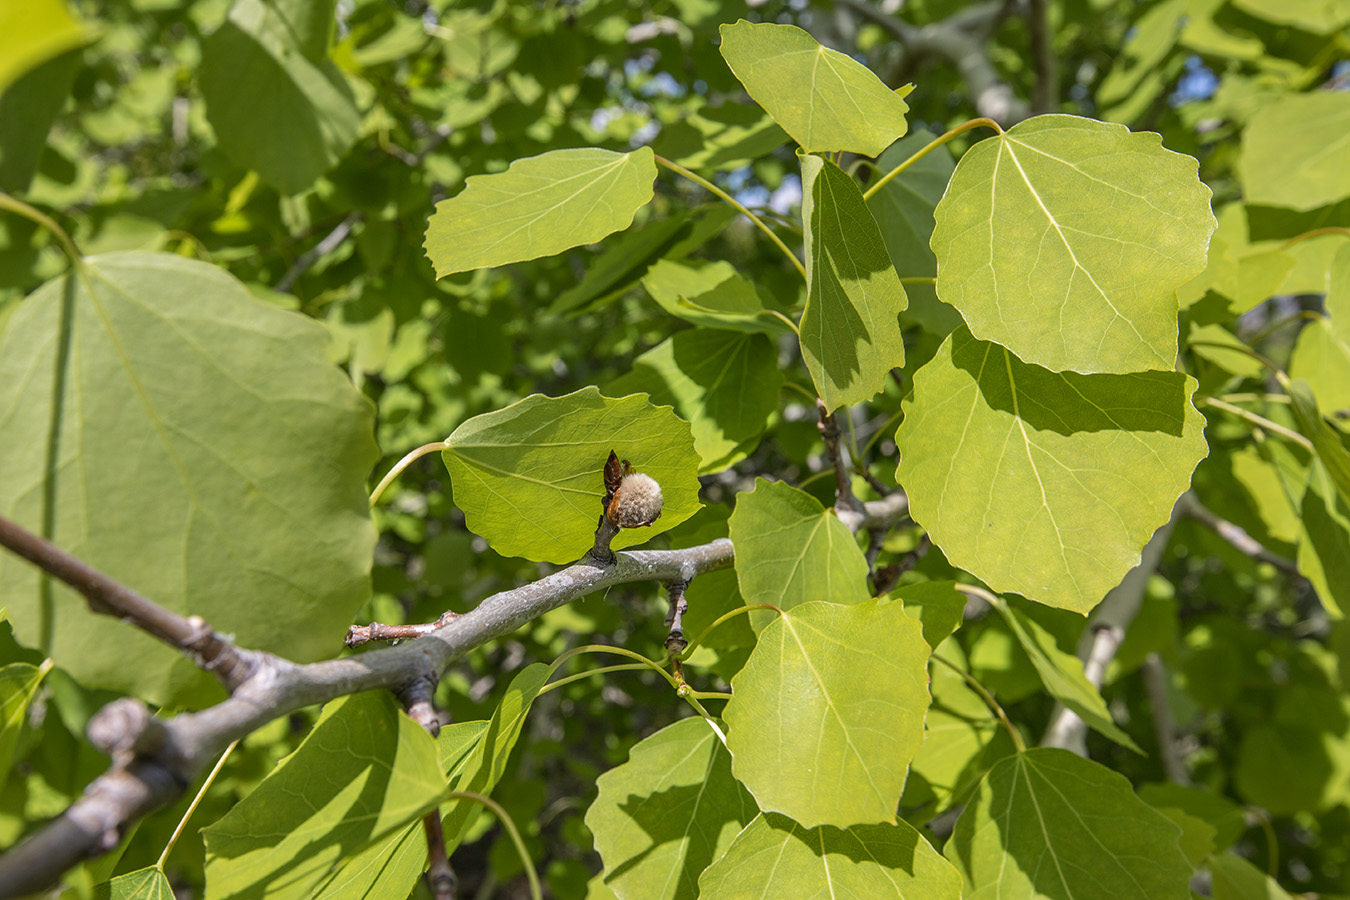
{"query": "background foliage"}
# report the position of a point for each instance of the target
(302, 152)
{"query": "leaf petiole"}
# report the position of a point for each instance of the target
(725, 617)
(927, 149)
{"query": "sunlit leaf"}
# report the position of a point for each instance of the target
(1049, 824)
(1065, 240)
(1322, 354)
(32, 32)
(530, 477)
(143, 884)
(18, 683)
(774, 858)
(364, 770)
(538, 207)
(275, 101)
(790, 549)
(828, 712)
(668, 812)
(822, 98)
(1062, 675)
(724, 383)
(155, 390)
(1042, 483)
(1295, 153)
(850, 331)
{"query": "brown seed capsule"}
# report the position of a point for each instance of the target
(632, 500)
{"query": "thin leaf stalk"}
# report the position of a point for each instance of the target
(929, 148)
(725, 617)
(42, 220)
(535, 892)
(736, 205)
(1260, 421)
(988, 699)
(192, 807)
(402, 464)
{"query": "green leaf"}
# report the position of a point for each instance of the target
(850, 331)
(1222, 814)
(1049, 824)
(1295, 152)
(838, 752)
(937, 604)
(275, 101)
(143, 884)
(1322, 354)
(18, 683)
(822, 98)
(1065, 240)
(530, 477)
(364, 770)
(710, 294)
(483, 767)
(217, 428)
(27, 109)
(774, 858)
(668, 812)
(724, 383)
(790, 549)
(1236, 879)
(904, 206)
(538, 207)
(33, 32)
(1326, 442)
(1042, 483)
(719, 138)
(1324, 545)
(1062, 675)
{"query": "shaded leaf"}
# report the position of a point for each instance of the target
(18, 683)
(710, 294)
(364, 770)
(275, 101)
(790, 549)
(27, 109)
(850, 331)
(904, 206)
(1322, 354)
(774, 858)
(530, 477)
(1326, 442)
(152, 389)
(937, 604)
(822, 98)
(1295, 152)
(828, 712)
(1222, 814)
(718, 138)
(1065, 240)
(668, 812)
(1042, 483)
(1049, 824)
(724, 383)
(1236, 879)
(539, 206)
(1324, 545)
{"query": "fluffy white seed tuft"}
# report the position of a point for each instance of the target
(637, 502)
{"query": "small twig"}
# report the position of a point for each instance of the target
(875, 537)
(441, 879)
(1192, 508)
(330, 242)
(849, 508)
(1155, 685)
(375, 631)
(675, 642)
(190, 635)
(605, 530)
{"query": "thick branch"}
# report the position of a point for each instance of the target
(1192, 508)
(190, 635)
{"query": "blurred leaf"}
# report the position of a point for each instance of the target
(1041, 483)
(1294, 151)
(1065, 239)
(1322, 354)
(27, 109)
(774, 858)
(364, 770)
(155, 390)
(1236, 879)
(668, 812)
(18, 683)
(850, 331)
(538, 207)
(1049, 824)
(822, 98)
(719, 138)
(530, 477)
(724, 383)
(1324, 547)
(838, 752)
(1220, 812)
(276, 103)
(32, 32)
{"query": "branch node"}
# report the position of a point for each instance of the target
(675, 642)
(605, 530)
(124, 729)
(418, 698)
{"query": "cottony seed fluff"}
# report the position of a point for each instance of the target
(637, 502)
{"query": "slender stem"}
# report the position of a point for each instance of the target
(919, 280)
(726, 617)
(617, 651)
(1315, 233)
(402, 464)
(929, 148)
(710, 695)
(880, 433)
(1260, 421)
(791, 324)
(987, 697)
(192, 807)
(707, 716)
(33, 214)
(736, 205)
(1276, 326)
(510, 826)
(810, 397)
(1239, 348)
(603, 670)
(1253, 397)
